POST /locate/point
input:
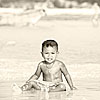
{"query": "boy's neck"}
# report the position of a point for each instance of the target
(50, 65)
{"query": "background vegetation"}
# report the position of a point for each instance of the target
(56, 2)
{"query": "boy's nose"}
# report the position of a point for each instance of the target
(49, 55)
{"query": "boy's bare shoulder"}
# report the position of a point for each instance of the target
(60, 63)
(41, 63)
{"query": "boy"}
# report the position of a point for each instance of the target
(52, 70)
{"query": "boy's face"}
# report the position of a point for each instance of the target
(49, 54)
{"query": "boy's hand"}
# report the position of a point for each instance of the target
(27, 82)
(73, 88)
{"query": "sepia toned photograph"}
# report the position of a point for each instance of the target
(49, 49)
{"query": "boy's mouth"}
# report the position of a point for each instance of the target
(49, 59)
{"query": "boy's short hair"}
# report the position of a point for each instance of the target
(48, 43)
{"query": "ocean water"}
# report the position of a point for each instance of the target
(79, 49)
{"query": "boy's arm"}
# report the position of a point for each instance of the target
(36, 75)
(67, 76)
(69, 81)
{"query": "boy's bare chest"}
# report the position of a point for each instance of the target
(52, 70)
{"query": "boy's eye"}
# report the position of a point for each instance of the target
(46, 53)
(52, 53)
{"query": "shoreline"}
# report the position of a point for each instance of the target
(15, 70)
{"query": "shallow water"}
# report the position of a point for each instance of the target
(88, 89)
(86, 77)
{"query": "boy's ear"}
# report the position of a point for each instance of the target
(42, 54)
(57, 52)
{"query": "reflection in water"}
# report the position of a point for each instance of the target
(85, 91)
(38, 95)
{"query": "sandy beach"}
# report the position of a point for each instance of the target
(20, 47)
(79, 47)
(73, 36)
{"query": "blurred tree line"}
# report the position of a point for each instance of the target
(90, 1)
(3, 2)
(79, 1)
